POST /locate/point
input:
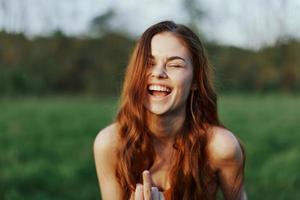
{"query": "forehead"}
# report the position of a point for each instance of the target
(164, 45)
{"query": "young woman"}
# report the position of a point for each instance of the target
(167, 141)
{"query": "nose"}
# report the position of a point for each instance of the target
(158, 71)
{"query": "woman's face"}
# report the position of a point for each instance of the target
(169, 76)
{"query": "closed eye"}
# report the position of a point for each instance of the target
(175, 66)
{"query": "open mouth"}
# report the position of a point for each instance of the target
(158, 90)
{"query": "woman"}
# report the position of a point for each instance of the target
(167, 141)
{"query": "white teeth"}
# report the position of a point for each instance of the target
(159, 88)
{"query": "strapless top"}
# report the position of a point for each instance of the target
(167, 194)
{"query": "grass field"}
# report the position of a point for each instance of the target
(46, 145)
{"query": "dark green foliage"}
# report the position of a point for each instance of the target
(46, 145)
(266, 70)
(61, 64)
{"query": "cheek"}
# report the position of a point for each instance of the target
(186, 80)
(185, 84)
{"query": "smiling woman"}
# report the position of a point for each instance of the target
(169, 75)
(167, 141)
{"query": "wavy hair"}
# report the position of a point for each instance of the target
(136, 152)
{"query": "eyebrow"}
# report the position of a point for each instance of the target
(171, 58)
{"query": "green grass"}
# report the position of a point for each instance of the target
(270, 130)
(46, 145)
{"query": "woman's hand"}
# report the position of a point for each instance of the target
(145, 191)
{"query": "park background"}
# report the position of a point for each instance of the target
(61, 70)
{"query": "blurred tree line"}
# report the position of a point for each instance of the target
(61, 64)
(271, 69)
(69, 65)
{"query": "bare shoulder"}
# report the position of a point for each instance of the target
(105, 150)
(106, 143)
(107, 138)
(223, 147)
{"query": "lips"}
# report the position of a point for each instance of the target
(159, 90)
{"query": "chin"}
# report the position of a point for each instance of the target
(157, 110)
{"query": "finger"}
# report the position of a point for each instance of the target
(147, 185)
(154, 193)
(161, 196)
(138, 194)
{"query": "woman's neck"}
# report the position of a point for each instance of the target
(165, 127)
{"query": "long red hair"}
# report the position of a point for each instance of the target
(136, 152)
